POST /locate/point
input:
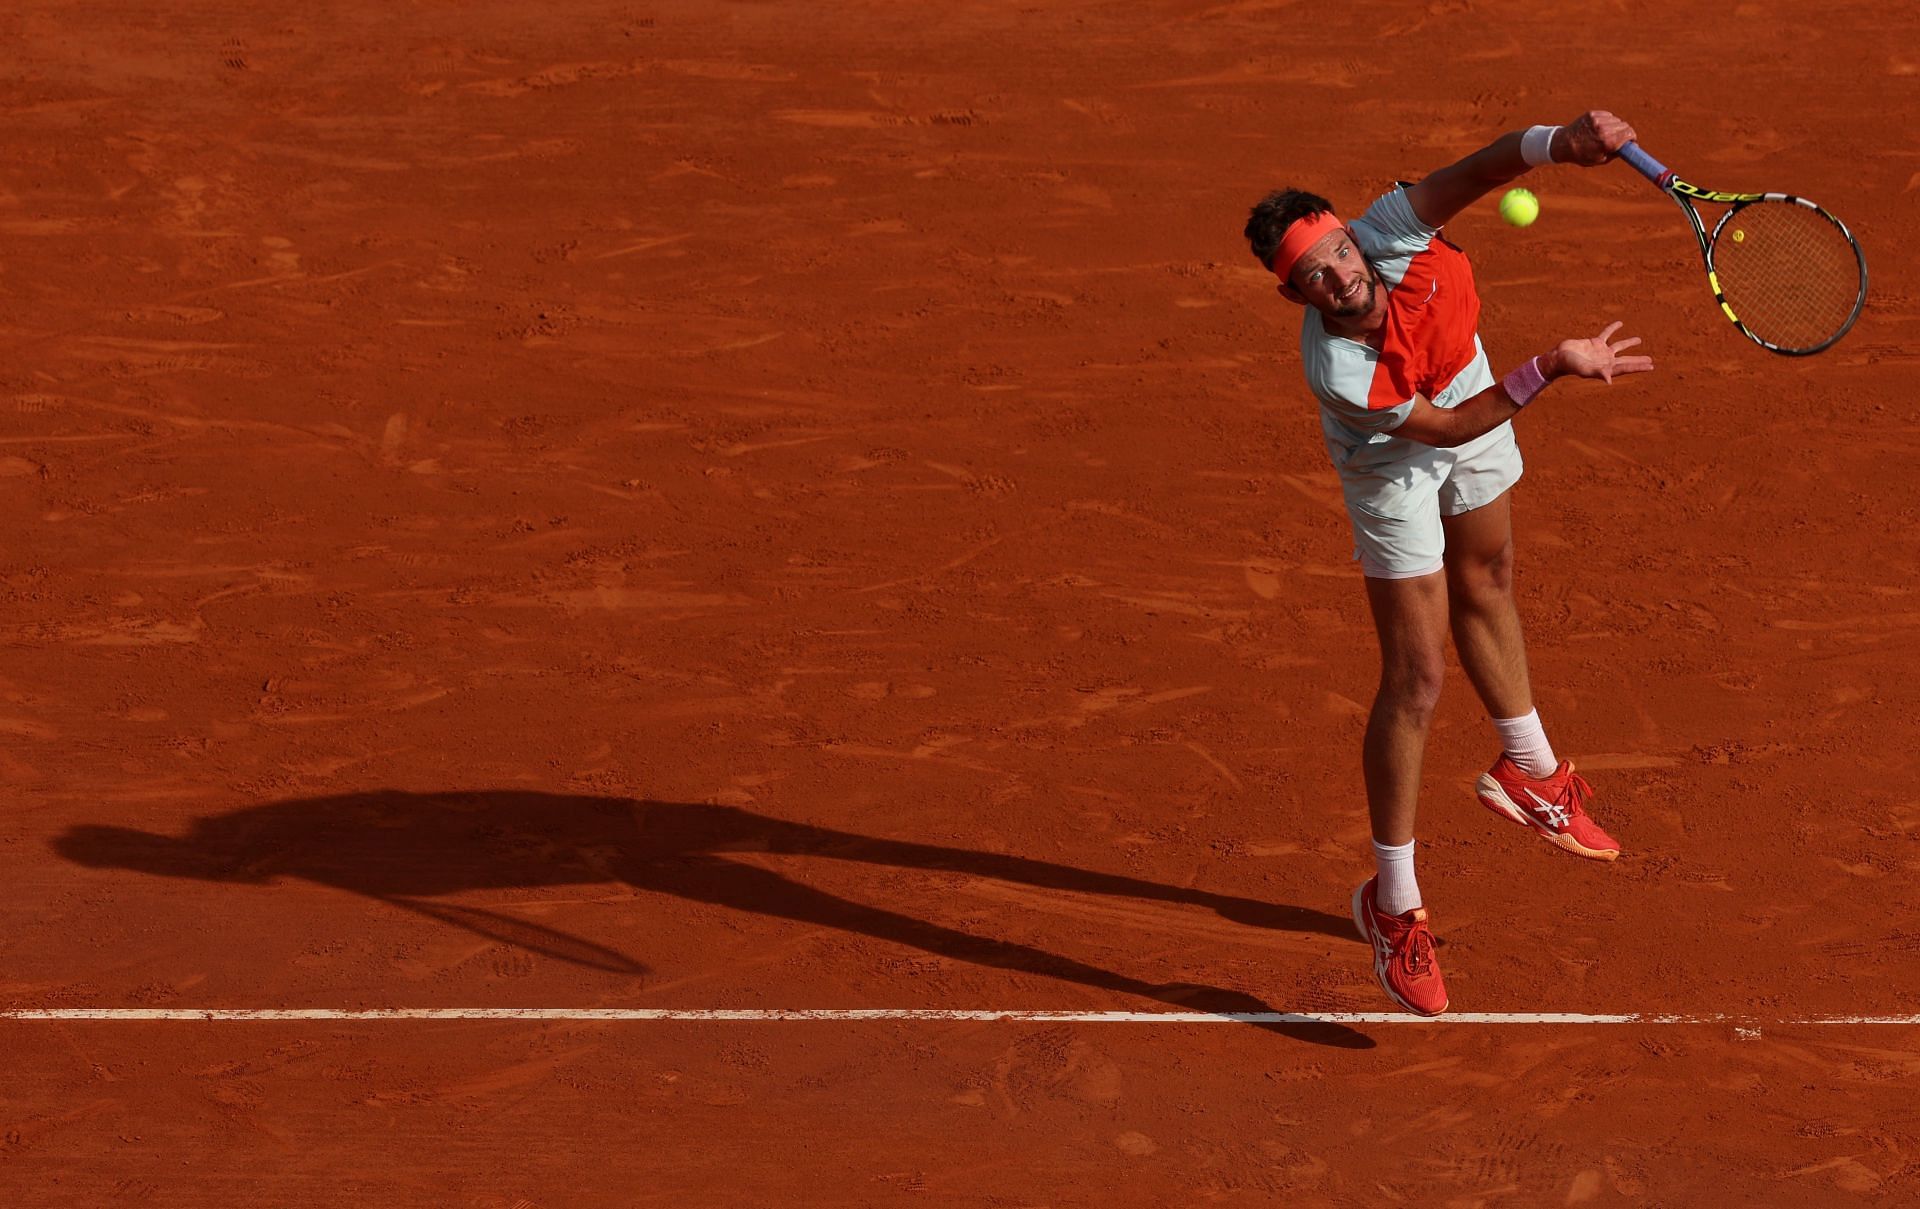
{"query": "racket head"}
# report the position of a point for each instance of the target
(1789, 274)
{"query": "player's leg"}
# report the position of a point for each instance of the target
(1407, 594)
(1410, 617)
(1483, 617)
(1527, 784)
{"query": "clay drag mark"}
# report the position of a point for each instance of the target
(835, 483)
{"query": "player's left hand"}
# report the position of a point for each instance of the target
(1591, 139)
(1598, 357)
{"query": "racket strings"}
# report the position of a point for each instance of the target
(1788, 273)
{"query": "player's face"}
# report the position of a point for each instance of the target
(1335, 279)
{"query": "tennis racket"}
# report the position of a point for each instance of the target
(1789, 274)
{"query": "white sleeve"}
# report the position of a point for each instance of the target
(1390, 230)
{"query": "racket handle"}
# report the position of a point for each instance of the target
(1646, 165)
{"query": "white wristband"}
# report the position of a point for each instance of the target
(1536, 145)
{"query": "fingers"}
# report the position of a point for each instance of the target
(1608, 131)
(1625, 365)
(1586, 145)
(1600, 356)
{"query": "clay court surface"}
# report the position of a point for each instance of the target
(779, 506)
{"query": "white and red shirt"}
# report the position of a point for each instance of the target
(1428, 346)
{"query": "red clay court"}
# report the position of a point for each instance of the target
(674, 508)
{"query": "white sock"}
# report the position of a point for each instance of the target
(1397, 892)
(1526, 744)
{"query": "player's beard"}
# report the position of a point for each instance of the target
(1362, 303)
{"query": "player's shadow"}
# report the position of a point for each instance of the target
(411, 849)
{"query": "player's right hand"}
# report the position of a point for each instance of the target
(1598, 357)
(1591, 139)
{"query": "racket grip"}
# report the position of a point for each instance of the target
(1646, 165)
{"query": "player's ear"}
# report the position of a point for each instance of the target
(1292, 295)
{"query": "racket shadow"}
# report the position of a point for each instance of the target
(417, 850)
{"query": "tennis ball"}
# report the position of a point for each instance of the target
(1519, 207)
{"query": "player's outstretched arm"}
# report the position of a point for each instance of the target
(1590, 140)
(1597, 357)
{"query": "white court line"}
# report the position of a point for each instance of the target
(868, 1014)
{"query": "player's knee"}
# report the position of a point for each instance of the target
(1411, 683)
(1484, 579)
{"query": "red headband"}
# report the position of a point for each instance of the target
(1303, 234)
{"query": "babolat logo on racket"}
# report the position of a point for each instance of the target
(1712, 195)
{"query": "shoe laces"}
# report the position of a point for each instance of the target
(1415, 950)
(1575, 795)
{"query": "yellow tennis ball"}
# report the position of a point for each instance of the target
(1520, 207)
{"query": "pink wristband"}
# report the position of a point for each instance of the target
(1524, 382)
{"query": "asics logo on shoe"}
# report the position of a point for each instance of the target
(1556, 814)
(1382, 947)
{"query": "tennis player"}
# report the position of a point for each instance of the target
(1420, 430)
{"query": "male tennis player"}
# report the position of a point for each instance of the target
(1419, 429)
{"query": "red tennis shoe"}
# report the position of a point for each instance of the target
(1554, 806)
(1403, 957)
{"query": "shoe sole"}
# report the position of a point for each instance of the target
(1380, 975)
(1495, 799)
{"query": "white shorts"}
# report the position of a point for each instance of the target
(1396, 508)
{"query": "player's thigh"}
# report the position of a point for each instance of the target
(1410, 618)
(1476, 511)
(1481, 538)
(1397, 532)
(1400, 541)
